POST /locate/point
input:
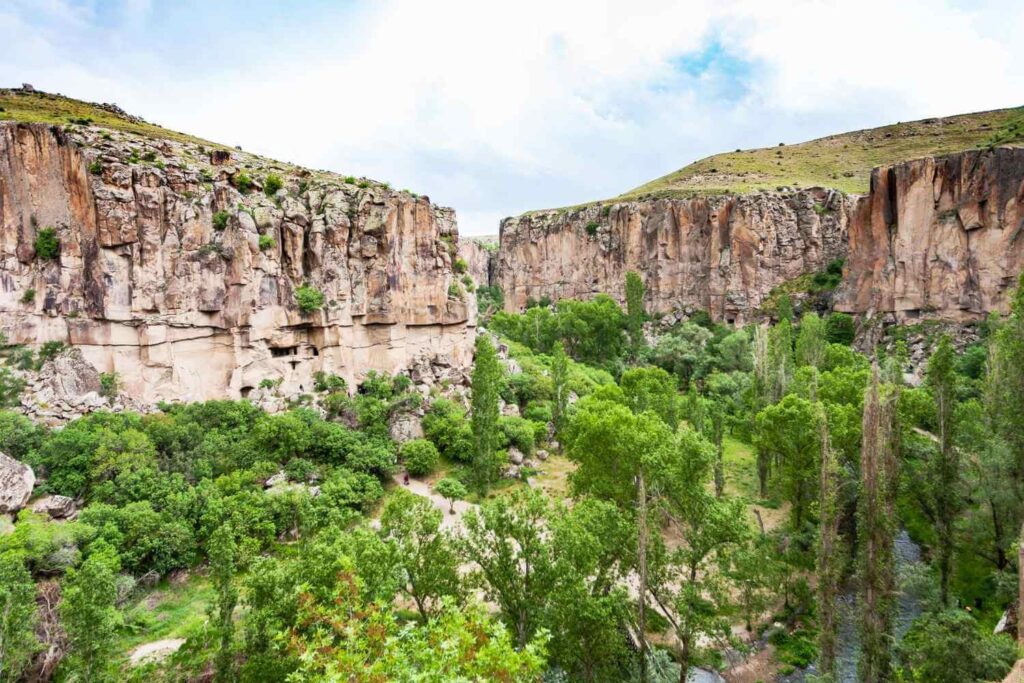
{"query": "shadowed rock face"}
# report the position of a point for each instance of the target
(723, 254)
(937, 237)
(147, 286)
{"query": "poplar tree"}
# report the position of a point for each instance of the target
(828, 569)
(810, 341)
(876, 512)
(944, 476)
(486, 387)
(560, 379)
(222, 552)
(635, 313)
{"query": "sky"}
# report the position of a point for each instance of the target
(499, 108)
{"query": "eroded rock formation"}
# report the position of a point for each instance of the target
(937, 237)
(721, 254)
(174, 276)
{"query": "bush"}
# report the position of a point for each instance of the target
(49, 350)
(96, 167)
(840, 328)
(446, 426)
(519, 433)
(47, 245)
(460, 265)
(109, 384)
(455, 291)
(325, 382)
(272, 184)
(266, 242)
(29, 296)
(220, 220)
(242, 182)
(592, 227)
(420, 457)
(309, 298)
(11, 387)
(538, 411)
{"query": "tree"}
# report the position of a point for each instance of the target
(423, 552)
(944, 480)
(89, 615)
(948, 647)
(790, 429)
(717, 427)
(840, 328)
(635, 313)
(450, 489)
(587, 607)
(508, 542)
(876, 528)
(222, 551)
(829, 568)
(486, 387)
(810, 341)
(420, 456)
(18, 640)
(560, 379)
(651, 389)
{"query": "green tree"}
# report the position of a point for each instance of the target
(789, 429)
(810, 341)
(486, 385)
(949, 647)
(560, 379)
(635, 313)
(222, 550)
(423, 552)
(450, 489)
(944, 481)
(840, 328)
(507, 540)
(17, 616)
(89, 615)
(651, 389)
(420, 456)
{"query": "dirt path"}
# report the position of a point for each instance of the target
(422, 488)
(155, 651)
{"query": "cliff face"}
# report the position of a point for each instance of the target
(480, 261)
(185, 286)
(723, 254)
(939, 237)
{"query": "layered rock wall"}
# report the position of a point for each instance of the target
(723, 254)
(185, 286)
(939, 237)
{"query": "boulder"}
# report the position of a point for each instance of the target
(541, 455)
(276, 480)
(511, 472)
(55, 506)
(16, 483)
(509, 410)
(515, 456)
(405, 427)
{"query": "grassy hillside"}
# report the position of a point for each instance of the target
(40, 107)
(843, 161)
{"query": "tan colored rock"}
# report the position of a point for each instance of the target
(145, 285)
(720, 254)
(480, 260)
(938, 238)
(16, 483)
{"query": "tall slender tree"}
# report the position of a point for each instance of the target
(944, 479)
(829, 569)
(486, 385)
(222, 551)
(635, 313)
(560, 379)
(876, 509)
(811, 341)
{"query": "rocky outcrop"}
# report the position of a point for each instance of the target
(723, 254)
(480, 260)
(941, 237)
(179, 273)
(16, 483)
(938, 237)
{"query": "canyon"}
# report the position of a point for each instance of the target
(937, 237)
(179, 269)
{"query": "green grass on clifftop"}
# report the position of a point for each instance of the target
(40, 107)
(842, 162)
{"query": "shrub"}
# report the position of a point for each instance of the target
(519, 433)
(271, 184)
(592, 227)
(11, 387)
(49, 350)
(420, 457)
(309, 298)
(350, 180)
(266, 242)
(109, 384)
(149, 156)
(29, 296)
(268, 383)
(840, 328)
(446, 426)
(455, 291)
(242, 182)
(460, 265)
(96, 167)
(220, 220)
(47, 245)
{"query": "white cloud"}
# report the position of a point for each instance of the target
(495, 109)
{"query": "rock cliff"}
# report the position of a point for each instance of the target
(939, 237)
(480, 256)
(936, 237)
(178, 265)
(723, 254)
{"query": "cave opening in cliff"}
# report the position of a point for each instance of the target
(282, 351)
